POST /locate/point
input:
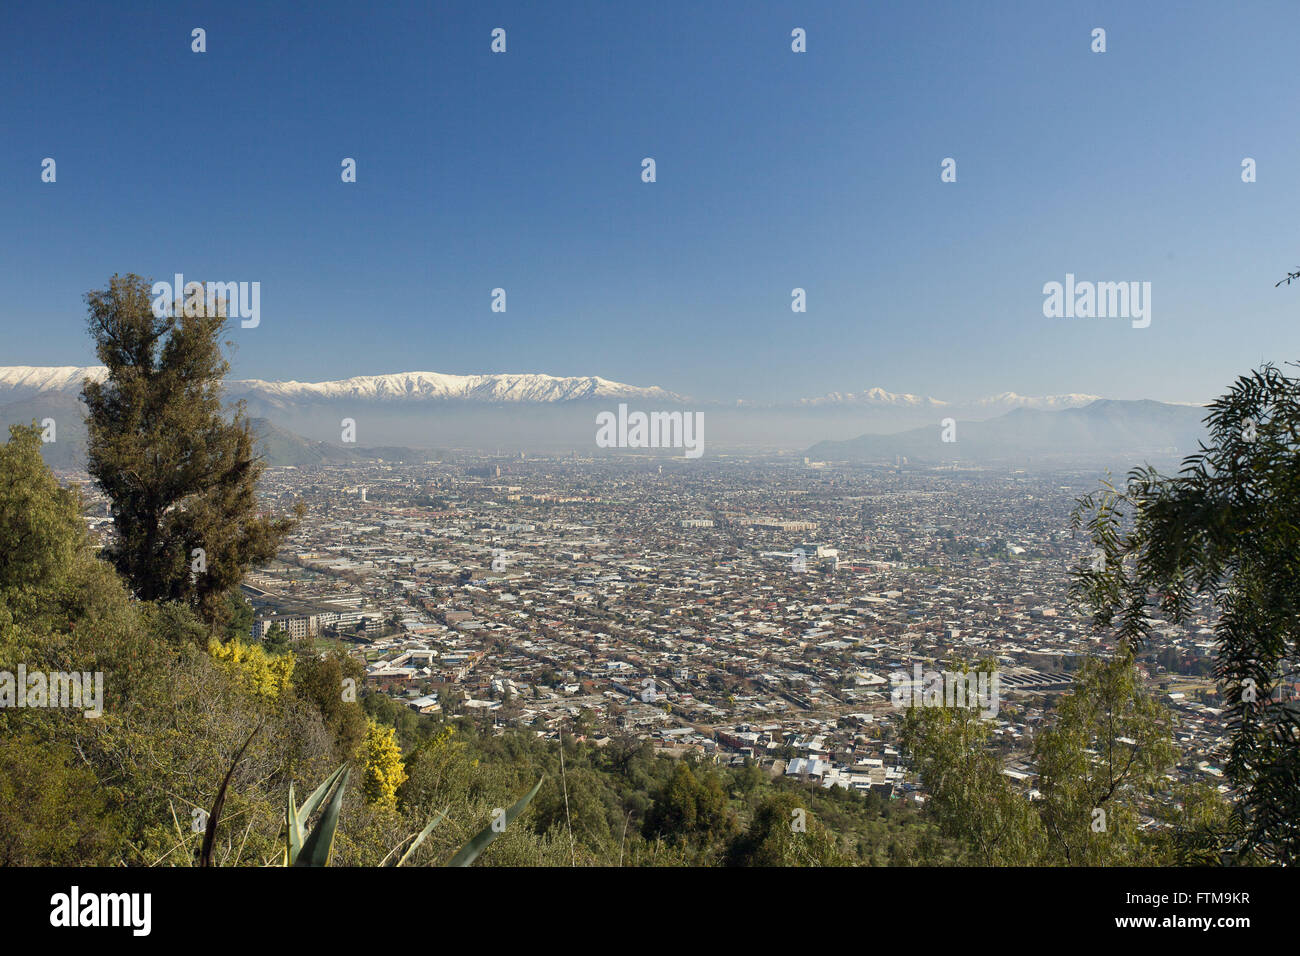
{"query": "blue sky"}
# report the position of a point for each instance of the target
(775, 170)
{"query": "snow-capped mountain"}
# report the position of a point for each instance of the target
(23, 381)
(877, 397)
(1004, 401)
(874, 396)
(548, 413)
(438, 386)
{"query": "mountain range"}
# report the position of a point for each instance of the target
(1102, 432)
(406, 414)
(1003, 401)
(24, 381)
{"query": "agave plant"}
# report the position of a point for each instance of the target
(470, 851)
(304, 846)
(315, 847)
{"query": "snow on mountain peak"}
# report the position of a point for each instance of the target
(30, 379)
(23, 381)
(875, 395)
(1050, 402)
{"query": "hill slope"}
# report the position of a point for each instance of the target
(1105, 430)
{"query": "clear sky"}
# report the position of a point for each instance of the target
(523, 170)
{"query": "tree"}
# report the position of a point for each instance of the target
(51, 811)
(276, 639)
(239, 623)
(269, 675)
(1225, 530)
(322, 680)
(1098, 764)
(690, 809)
(784, 833)
(114, 790)
(971, 799)
(41, 531)
(60, 606)
(750, 776)
(384, 771)
(179, 470)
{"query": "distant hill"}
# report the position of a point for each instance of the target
(430, 410)
(1120, 432)
(279, 446)
(68, 450)
(512, 413)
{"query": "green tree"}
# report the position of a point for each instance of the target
(275, 641)
(1099, 763)
(784, 833)
(179, 470)
(51, 812)
(41, 531)
(239, 621)
(691, 809)
(971, 799)
(749, 777)
(322, 681)
(60, 606)
(1224, 531)
(104, 791)
(1200, 828)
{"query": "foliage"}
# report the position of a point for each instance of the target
(1225, 530)
(784, 833)
(971, 799)
(1101, 763)
(40, 527)
(313, 847)
(180, 475)
(690, 808)
(319, 679)
(266, 674)
(384, 771)
(51, 811)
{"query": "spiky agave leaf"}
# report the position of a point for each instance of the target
(292, 831)
(214, 817)
(295, 818)
(437, 818)
(469, 853)
(319, 843)
(311, 803)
